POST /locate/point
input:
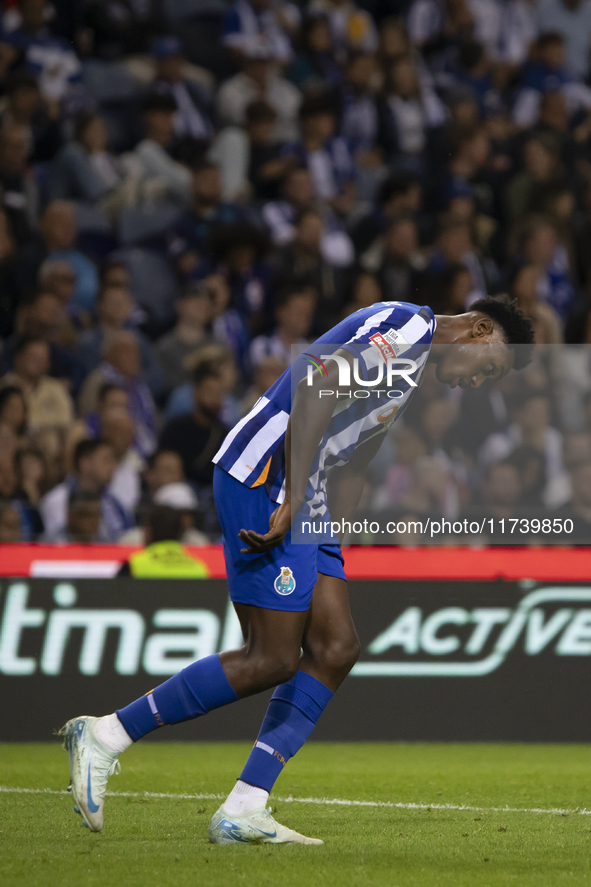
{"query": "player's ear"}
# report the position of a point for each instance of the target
(483, 326)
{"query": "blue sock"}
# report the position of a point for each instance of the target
(194, 691)
(292, 715)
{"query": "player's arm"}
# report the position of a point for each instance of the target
(345, 484)
(309, 419)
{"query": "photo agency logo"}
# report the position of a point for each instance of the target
(388, 370)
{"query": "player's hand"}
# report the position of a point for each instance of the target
(279, 524)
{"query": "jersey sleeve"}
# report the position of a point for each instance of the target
(399, 330)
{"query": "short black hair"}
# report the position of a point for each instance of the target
(82, 497)
(260, 112)
(151, 460)
(397, 184)
(20, 79)
(160, 102)
(87, 448)
(318, 104)
(81, 123)
(517, 328)
(293, 290)
(207, 369)
(24, 341)
(471, 54)
(106, 389)
(9, 391)
(165, 523)
(549, 38)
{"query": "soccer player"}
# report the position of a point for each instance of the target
(291, 596)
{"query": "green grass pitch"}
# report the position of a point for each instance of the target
(163, 840)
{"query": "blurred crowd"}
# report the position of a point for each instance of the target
(192, 189)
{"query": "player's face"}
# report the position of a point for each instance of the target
(470, 365)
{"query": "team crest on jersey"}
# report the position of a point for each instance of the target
(285, 582)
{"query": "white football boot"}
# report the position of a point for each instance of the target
(90, 767)
(257, 827)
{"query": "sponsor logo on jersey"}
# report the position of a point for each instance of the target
(390, 344)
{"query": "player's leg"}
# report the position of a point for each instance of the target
(330, 649)
(270, 656)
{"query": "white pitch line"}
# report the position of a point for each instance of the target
(327, 802)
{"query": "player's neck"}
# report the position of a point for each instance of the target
(451, 330)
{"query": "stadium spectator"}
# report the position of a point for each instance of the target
(365, 291)
(182, 400)
(250, 25)
(190, 236)
(294, 312)
(578, 510)
(10, 525)
(455, 246)
(118, 430)
(13, 409)
(315, 64)
(572, 20)
(164, 556)
(548, 70)
(20, 192)
(359, 117)
(160, 174)
(408, 111)
(192, 118)
(164, 467)
(84, 518)
(264, 375)
(280, 216)
(57, 277)
(50, 58)
(120, 29)
(325, 154)
(500, 497)
(85, 168)
(194, 315)
(197, 436)
(399, 194)
(402, 262)
(24, 107)
(121, 366)
(260, 81)
(59, 232)
(249, 157)
(94, 466)
(45, 318)
(302, 259)
(531, 427)
(352, 28)
(48, 403)
(116, 312)
(541, 246)
(526, 288)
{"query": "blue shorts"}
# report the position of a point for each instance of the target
(282, 579)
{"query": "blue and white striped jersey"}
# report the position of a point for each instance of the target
(253, 452)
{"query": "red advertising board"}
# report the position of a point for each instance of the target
(551, 564)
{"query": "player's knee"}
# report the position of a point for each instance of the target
(278, 669)
(345, 654)
(339, 655)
